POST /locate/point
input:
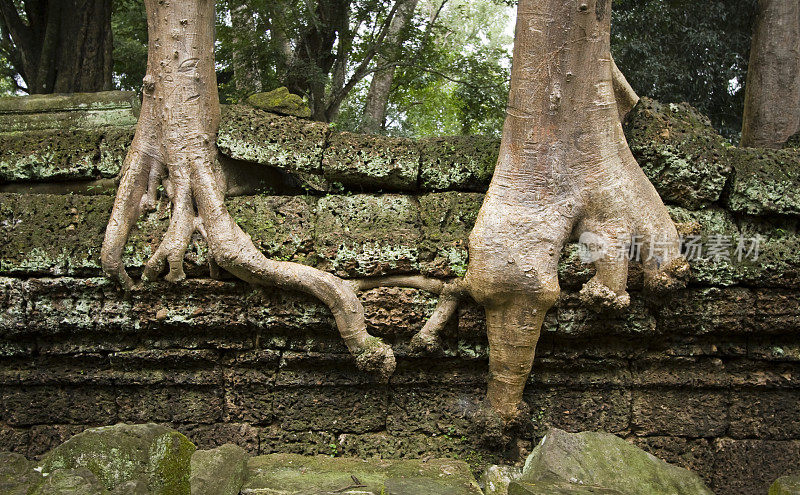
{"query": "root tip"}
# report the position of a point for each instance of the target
(425, 343)
(376, 357)
(600, 297)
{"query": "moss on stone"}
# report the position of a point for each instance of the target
(63, 154)
(365, 162)
(364, 235)
(764, 181)
(457, 163)
(280, 101)
(786, 485)
(607, 463)
(253, 135)
(121, 453)
(293, 474)
(446, 221)
(679, 151)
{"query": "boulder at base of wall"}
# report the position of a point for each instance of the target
(787, 485)
(600, 463)
(218, 471)
(122, 453)
(17, 475)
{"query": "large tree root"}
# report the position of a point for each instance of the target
(174, 146)
(565, 172)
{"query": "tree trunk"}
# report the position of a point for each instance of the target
(246, 72)
(64, 47)
(565, 171)
(381, 85)
(175, 145)
(772, 90)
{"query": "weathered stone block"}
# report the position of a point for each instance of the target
(219, 471)
(282, 227)
(293, 474)
(764, 181)
(100, 110)
(361, 235)
(447, 219)
(464, 163)
(253, 135)
(680, 412)
(592, 462)
(364, 162)
(740, 465)
(679, 152)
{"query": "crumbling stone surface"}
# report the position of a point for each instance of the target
(679, 151)
(765, 182)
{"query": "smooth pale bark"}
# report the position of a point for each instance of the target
(564, 172)
(772, 91)
(175, 145)
(64, 46)
(381, 84)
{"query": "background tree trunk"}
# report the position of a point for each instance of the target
(772, 91)
(381, 85)
(246, 72)
(64, 47)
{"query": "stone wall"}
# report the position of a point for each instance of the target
(708, 379)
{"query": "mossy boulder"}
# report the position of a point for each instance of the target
(121, 453)
(78, 481)
(291, 474)
(219, 471)
(593, 462)
(17, 474)
(679, 151)
(280, 101)
(495, 479)
(787, 485)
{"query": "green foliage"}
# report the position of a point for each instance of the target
(687, 50)
(129, 27)
(453, 75)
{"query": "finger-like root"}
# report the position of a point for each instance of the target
(428, 339)
(234, 251)
(172, 249)
(134, 184)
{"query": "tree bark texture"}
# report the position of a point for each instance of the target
(381, 84)
(564, 172)
(772, 91)
(175, 146)
(64, 47)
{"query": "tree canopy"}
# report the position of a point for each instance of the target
(452, 58)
